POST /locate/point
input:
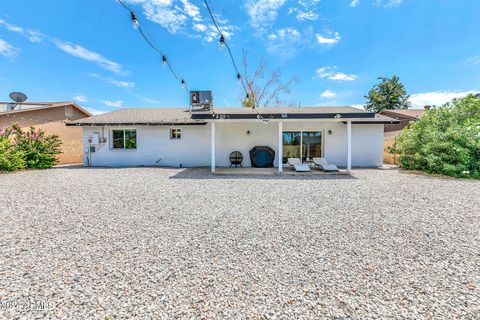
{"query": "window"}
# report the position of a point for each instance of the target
(124, 139)
(175, 133)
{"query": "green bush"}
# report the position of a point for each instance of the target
(27, 149)
(445, 140)
(11, 159)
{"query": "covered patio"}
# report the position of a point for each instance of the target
(279, 162)
(345, 136)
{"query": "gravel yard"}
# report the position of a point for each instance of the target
(78, 243)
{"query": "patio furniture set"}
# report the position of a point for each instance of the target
(263, 157)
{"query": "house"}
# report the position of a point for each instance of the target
(404, 116)
(180, 137)
(51, 117)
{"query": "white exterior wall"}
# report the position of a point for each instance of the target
(154, 143)
(193, 149)
(367, 142)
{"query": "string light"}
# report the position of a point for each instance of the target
(153, 45)
(221, 43)
(134, 20)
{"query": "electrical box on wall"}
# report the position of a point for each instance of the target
(96, 138)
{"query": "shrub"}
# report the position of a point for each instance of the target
(445, 140)
(39, 150)
(11, 159)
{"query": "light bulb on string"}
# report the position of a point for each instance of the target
(221, 43)
(134, 20)
(164, 61)
(183, 84)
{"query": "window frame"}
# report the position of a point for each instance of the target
(175, 133)
(322, 135)
(124, 148)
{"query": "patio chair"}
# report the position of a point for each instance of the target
(298, 165)
(324, 165)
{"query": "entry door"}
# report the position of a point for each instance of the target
(302, 144)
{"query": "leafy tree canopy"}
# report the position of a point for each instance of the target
(445, 140)
(390, 93)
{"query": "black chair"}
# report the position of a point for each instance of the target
(236, 159)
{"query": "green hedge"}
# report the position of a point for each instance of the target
(27, 149)
(445, 140)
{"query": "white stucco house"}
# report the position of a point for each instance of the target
(180, 137)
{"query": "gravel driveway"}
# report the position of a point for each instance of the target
(79, 243)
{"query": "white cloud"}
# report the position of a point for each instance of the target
(80, 98)
(199, 27)
(437, 98)
(358, 106)
(309, 15)
(178, 15)
(114, 104)
(328, 94)
(473, 61)
(115, 82)
(354, 3)
(169, 17)
(7, 50)
(332, 74)
(94, 111)
(263, 12)
(330, 39)
(284, 41)
(388, 3)
(31, 35)
(85, 54)
(306, 10)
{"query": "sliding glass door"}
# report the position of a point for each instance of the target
(302, 144)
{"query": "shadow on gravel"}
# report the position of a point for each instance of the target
(197, 173)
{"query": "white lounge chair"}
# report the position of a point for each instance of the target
(324, 165)
(298, 165)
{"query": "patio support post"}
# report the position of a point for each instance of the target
(280, 146)
(349, 146)
(212, 147)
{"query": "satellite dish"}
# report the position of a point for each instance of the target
(18, 97)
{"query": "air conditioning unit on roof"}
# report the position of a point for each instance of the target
(201, 100)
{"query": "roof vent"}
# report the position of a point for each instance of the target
(201, 100)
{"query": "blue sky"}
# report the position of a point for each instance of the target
(88, 52)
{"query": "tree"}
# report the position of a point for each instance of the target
(445, 140)
(260, 92)
(390, 93)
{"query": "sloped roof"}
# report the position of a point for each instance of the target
(140, 116)
(167, 116)
(412, 113)
(34, 106)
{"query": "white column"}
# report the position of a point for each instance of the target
(349, 146)
(212, 147)
(280, 146)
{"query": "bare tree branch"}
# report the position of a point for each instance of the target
(262, 93)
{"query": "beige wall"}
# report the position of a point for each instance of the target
(53, 122)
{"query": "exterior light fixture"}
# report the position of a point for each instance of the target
(134, 20)
(330, 132)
